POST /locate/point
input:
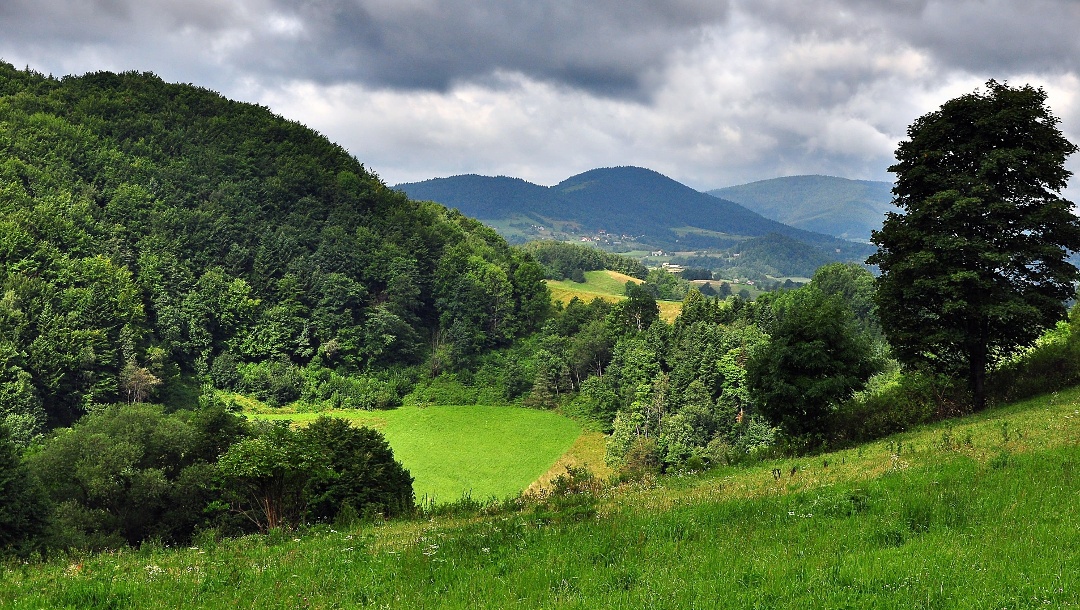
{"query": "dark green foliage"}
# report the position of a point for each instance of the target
(893, 402)
(976, 263)
(777, 255)
(855, 285)
(22, 505)
(361, 472)
(127, 474)
(666, 286)
(285, 477)
(1052, 363)
(696, 274)
(561, 260)
(815, 358)
(153, 227)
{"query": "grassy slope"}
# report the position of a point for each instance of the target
(478, 450)
(608, 285)
(976, 513)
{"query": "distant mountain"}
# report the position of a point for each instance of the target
(632, 201)
(844, 208)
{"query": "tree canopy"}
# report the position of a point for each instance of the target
(976, 265)
(150, 230)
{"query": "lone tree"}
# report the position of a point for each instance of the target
(976, 263)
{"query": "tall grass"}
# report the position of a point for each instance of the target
(976, 513)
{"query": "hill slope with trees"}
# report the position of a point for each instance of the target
(850, 209)
(635, 202)
(151, 231)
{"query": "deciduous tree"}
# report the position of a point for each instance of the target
(975, 264)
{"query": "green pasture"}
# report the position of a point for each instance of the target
(607, 285)
(482, 451)
(600, 283)
(981, 512)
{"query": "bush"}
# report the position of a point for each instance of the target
(642, 460)
(330, 469)
(446, 389)
(123, 475)
(1051, 364)
(275, 382)
(573, 496)
(22, 505)
(894, 401)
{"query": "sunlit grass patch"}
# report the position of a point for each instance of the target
(607, 285)
(483, 451)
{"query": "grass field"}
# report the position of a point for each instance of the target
(482, 451)
(982, 512)
(608, 285)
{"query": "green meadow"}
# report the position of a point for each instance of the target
(607, 285)
(981, 512)
(483, 452)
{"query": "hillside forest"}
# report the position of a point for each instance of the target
(167, 254)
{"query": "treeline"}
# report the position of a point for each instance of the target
(726, 378)
(152, 233)
(127, 474)
(564, 261)
(732, 379)
(761, 257)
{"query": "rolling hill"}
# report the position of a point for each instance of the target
(632, 203)
(148, 222)
(849, 209)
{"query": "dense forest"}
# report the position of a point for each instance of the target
(159, 241)
(152, 231)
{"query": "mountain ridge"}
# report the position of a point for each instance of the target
(631, 201)
(842, 207)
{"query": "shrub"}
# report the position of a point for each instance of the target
(894, 401)
(573, 496)
(446, 389)
(642, 460)
(123, 475)
(1051, 364)
(22, 505)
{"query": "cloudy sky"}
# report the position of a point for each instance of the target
(710, 92)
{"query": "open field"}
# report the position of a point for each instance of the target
(982, 512)
(608, 285)
(483, 451)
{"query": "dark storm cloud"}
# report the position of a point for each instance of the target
(609, 47)
(714, 92)
(1001, 35)
(71, 23)
(603, 46)
(971, 35)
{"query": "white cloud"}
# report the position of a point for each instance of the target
(710, 93)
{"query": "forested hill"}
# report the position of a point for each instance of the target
(850, 209)
(149, 229)
(630, 201)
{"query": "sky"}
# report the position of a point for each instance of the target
(711, 93)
